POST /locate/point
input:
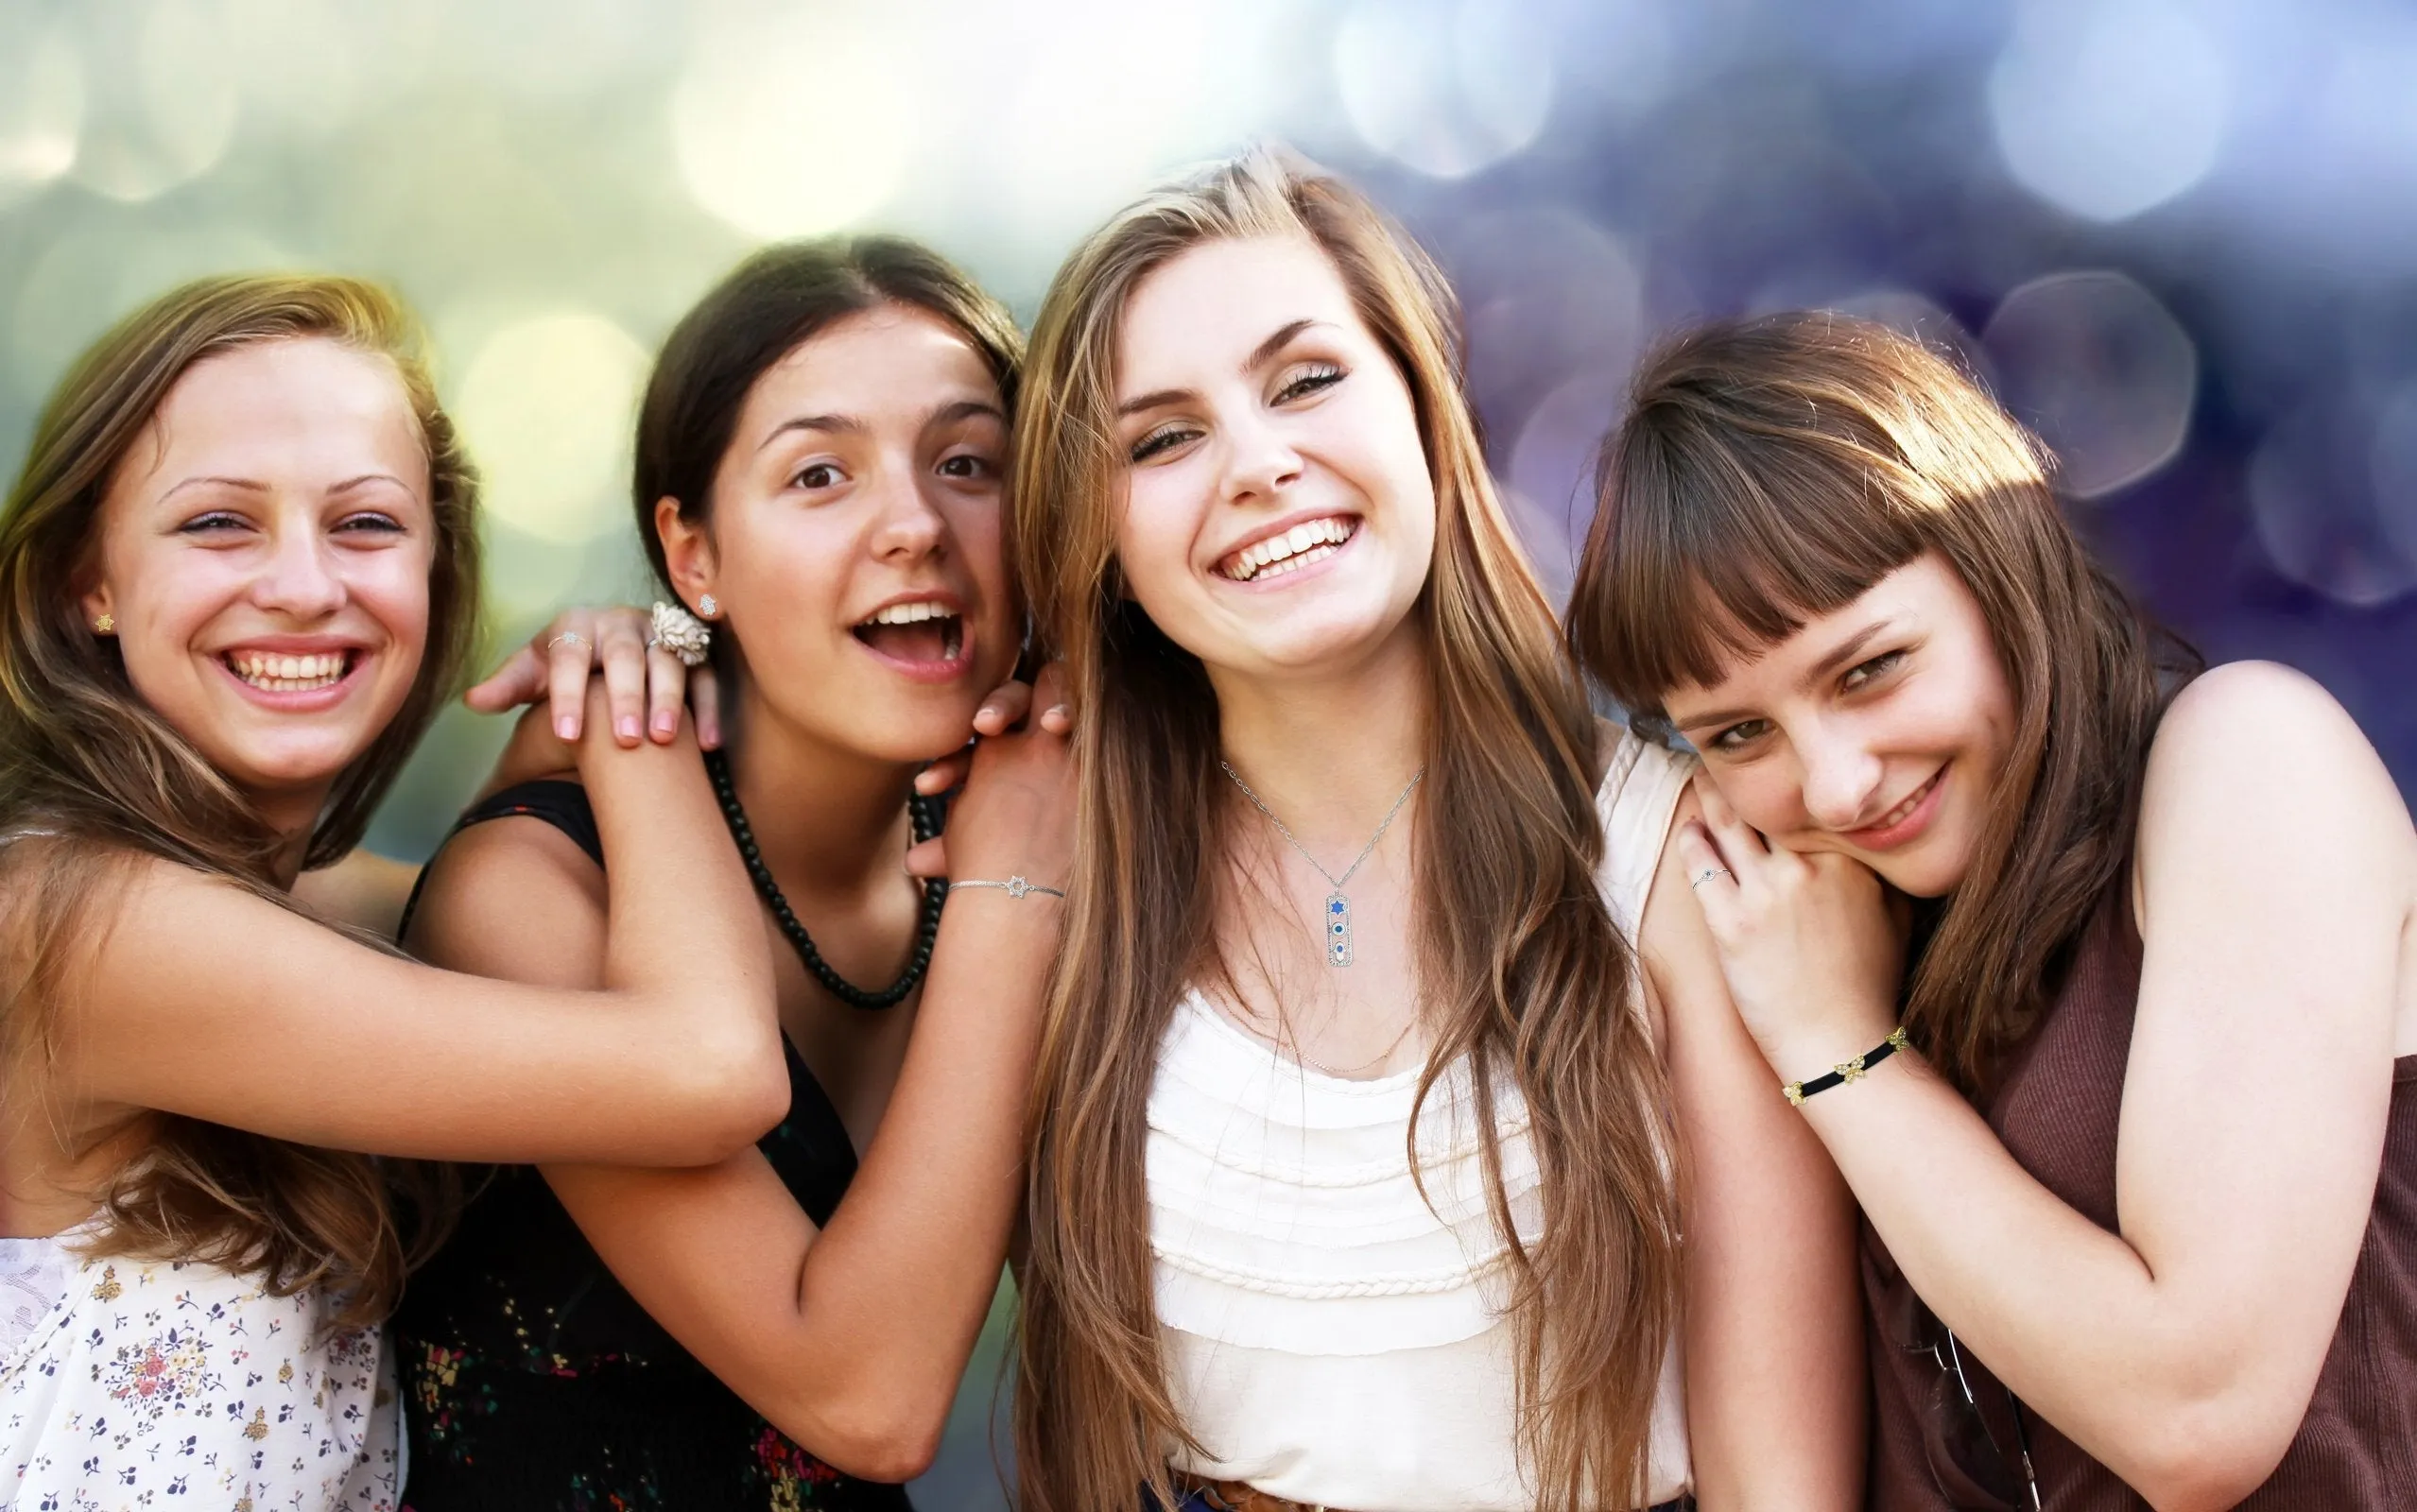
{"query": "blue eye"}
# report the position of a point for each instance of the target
(1162, 439)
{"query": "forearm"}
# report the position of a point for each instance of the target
(2134, 1367)
(901, 1278)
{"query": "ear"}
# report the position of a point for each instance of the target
(97, 607)
(687, 551)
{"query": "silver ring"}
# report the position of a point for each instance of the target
(572, 636)
(1708, 873)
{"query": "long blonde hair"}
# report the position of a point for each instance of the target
(1526, 973)
(101, 777)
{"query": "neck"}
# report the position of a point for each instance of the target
(293, 815)
(825, 819)
(1331, 753)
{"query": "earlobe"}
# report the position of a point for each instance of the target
(97, 610)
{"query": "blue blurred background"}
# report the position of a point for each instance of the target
(2179, 238)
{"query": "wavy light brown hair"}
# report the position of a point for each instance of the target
(1770, 471)
(1525, 971)
(97, 780)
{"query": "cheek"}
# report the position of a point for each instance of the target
(1153, 542)
(1765, 794)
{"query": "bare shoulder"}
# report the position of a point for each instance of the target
(2251, 745)
(516, 898)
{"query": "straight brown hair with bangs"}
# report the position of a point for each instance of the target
(92, 776)
(1770, 471)
(1525, 972)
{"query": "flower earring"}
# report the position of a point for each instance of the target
(106, 624)
(706, 606)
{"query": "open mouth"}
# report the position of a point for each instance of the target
(1305, 544)
(272, 672)
(926, 632)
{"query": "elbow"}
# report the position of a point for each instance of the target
(733, 1090)
(889, 1444)
(2208, 1455)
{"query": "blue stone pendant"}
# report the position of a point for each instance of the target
(1337, 929)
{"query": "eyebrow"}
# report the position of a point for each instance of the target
(1258, 358)
(246, 485)
(1842, 655)
(965, 409)
(349, 484)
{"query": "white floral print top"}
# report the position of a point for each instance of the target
(164, 1384)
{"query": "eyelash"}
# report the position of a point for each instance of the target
(983, 467)
(1319, 377)
(797, 480)
(1854, 678)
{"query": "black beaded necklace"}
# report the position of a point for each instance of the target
(926, 819)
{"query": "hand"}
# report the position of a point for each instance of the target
(1015, 816)
(556, 663)
(1812, 950)
(1008, 706)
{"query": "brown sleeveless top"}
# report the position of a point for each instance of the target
(2055, 1109)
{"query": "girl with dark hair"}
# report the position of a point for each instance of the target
(239, 574)
(2135, 1139)
(1382, 1029)
(817, 479)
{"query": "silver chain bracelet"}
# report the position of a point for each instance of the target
(1015, 886)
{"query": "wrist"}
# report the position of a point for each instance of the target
(1845, 1070)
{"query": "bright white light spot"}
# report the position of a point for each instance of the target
(789, 124)
(42, 106)
(2109, 107)
(165, 107)
(546, 409)
(1448, 88)
(2094, 365)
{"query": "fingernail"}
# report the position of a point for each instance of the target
(665, 722)
(628, 725)
(567, 728)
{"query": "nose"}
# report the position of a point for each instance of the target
(1260, 461)
(301, 580)
(906, 525)
(1841, 778)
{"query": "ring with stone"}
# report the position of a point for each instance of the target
(572, 636)
(1707, 874)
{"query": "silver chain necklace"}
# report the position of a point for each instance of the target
(1337, 906)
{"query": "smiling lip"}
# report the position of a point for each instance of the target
(1906, 822)
(293, 674)
(935, 607)
(1288, 547)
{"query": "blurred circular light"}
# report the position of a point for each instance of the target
(1918, 318)
(528, 576)
(2109, 107)
(546, 408)
(1552, 466)
(91, 275)
(2393, 466)
(167, 119)
(2098, 369)
(789, 124)
(42, 106)
(2315, 508)
(1547, 293)
(1444, 88)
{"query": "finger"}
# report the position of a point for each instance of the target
(1740, 842)
(705, 702)
(567, 662)
(1710, 878)
(667, 689)
(623, 656)
(945, 774)
(1054, 697)
(929, 858)
(521, 679)
(1004, 709)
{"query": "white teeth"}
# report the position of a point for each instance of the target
(287, 674)
(912, 614)
(1311, 541)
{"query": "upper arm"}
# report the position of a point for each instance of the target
(1774, 1337)
(207, 1001)
(365, 890)
(514, 899)
(2274, 877)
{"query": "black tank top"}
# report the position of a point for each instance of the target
(532, 1381)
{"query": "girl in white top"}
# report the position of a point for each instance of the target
(238, 575)
(1346, 890)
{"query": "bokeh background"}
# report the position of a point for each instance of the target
(2180, 239)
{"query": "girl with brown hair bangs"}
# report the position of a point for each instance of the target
(2135, 1139)
(239, 574)
(1354, 1139)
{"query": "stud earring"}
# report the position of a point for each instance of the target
(106, 624)
(706, 606)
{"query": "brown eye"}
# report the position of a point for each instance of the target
(819, 475)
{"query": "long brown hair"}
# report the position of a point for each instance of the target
(1773, 469)
(96, 777)
(1525, 971)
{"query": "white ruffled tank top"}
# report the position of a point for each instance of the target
(1329, 1337)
